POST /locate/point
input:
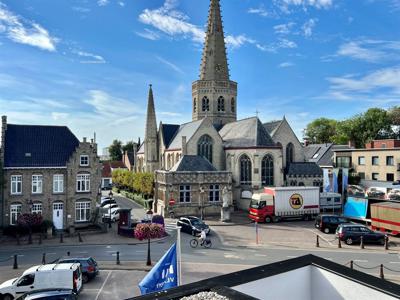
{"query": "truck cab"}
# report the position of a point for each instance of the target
(262, 208)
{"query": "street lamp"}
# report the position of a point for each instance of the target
(109, 220)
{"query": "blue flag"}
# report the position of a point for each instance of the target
(164, 275)
(335, 180)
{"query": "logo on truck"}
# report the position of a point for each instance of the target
(296, 201)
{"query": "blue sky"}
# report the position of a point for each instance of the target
(87, 63)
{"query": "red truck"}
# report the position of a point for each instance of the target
(274, 204)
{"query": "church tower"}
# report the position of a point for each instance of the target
(150, 139)
(214, 95)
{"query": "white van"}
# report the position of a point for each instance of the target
(51, 276)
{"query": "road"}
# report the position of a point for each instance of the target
(138, 212)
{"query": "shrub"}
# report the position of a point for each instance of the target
(149, 231)
(30, 220)
(158, 219)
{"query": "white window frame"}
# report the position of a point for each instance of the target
(37, 208)
(58, 183)
(16, 184)
(185, 193)
(15, 210)
(361, 160)
(214, 194)
(82, 211)
(37, 184)
(83, 183)
(85, 157)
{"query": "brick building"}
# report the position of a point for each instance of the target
(48, 171)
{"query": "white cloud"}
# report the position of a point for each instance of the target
(286, 64)
(170, 64)
(58, 115)
(308, 27)
(121, 3)
(261, 11)
(89, 58)
(285, 43)
(378, 87)
(26, 32)
(176, 24)
(102, 2)
(170, 114)
(81, 9)
(149, 34)
(313, 3)
(284, 28)
(374, 51)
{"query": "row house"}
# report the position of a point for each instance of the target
(48, 171)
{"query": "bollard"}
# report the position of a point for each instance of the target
(386, 242)
(339, 245)
(61, 238)
(15, 262)
(43, 258)
(79, 237)
(40, 239)
(118, 261)
(381, 272)
(351, 265)
(68, 253)
(362, 242)
(317, 242)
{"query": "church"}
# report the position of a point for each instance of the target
(215, 155)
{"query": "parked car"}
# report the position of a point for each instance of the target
(89, 266)
(351, 233)
(51, 294)
(107, 187)
(110, 205)
(394, 194)
(106, 204)
(114, 215)
(355, 190)
(373, 192)
(329, 223)
(192, 225)
(50, 276)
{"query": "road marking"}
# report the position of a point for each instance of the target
(394, 262)
(140, 251)
(102, 286)
(110, 251)
(292, 256)
(51, 253)
(360, 260)
(82, 252)
(261, 255)
(108, 247)
(203, 252)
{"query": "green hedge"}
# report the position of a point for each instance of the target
(135, 197)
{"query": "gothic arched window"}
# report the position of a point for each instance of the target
(205, 105)
(245, 169)
(289, 154)
(221, 104)
(267, 170)
(233, 104)
(194, 105)
(205, 147)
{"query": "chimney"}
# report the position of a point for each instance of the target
(351, 144)
(184, 148)
(3, 136)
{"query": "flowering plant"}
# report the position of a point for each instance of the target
(149, 231)
(29, 220)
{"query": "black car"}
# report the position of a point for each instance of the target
(89, 266)
(192, 225)
(50, 294)
(329, 223)
(351, 233)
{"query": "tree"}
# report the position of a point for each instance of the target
(321, 130)
(375, 124)
(128, 147)
(394, 116)
(115, 150)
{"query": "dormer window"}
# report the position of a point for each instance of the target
(84, 160)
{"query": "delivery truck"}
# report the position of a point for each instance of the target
(385, 216)
(275, 204)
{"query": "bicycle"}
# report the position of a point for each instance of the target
(195, 242)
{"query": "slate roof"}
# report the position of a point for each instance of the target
(324, 151)
(246, 133)
(131, 157)
(188, 130)
(141, 149)
(304, 168)
(109, 165)
(193, 163)
(168, 132)
(272, 126)
(38, 146)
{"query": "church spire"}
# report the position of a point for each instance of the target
(214, 64)
(150, 139)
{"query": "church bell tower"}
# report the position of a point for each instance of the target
(214, 94)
